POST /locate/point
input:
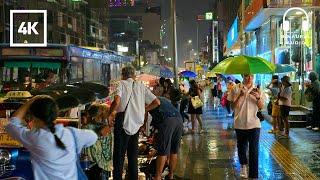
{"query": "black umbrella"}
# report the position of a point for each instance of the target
(84, 96)
(100, 90)
(66, 102)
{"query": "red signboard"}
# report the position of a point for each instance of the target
(252, 10)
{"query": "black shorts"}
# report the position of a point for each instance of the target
(168, 137)
(284, 111)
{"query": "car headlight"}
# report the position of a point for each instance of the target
(5, 156)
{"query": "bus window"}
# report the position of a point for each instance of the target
(88, 70)
(76, 70)
(97, 70)
(22, 78)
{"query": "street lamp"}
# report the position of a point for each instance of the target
(189, 41)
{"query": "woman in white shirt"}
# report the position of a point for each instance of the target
(52, 146)
(246, 100)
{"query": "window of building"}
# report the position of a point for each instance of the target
(62, 38)
(74, 24)
(60, 19)
(69, 22)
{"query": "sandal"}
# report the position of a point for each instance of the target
(167, 177)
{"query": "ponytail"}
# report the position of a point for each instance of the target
(59, 143)
(46, 109)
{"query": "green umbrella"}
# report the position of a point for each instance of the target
(284, 68)
(244, 65)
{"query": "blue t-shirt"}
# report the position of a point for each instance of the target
(49, 161)
(164, 111)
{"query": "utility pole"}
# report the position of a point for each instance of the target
(174, 40)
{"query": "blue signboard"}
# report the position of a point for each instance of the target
(106, 57)
(233, 33)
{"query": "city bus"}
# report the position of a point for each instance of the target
(25, 68)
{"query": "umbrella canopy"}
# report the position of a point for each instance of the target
(284, 68)
(100, 90)
(244, 65)
(211, 74)
(188, 74)
(147, 77)
(82, 94)
(157, 70)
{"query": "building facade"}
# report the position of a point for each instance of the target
(282, 32)
(132, 27)
(69, 22)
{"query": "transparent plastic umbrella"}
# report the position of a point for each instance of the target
(157, 70)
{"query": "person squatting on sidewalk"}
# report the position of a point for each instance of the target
(246, 101)
(127, 115)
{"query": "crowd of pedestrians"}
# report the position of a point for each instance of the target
(109, 134)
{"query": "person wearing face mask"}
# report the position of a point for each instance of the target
(246, 100)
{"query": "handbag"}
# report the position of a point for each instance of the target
(224, 100)
(126, 122)
(196, 102)
(260, 115)
(269, 107)
(81, 174)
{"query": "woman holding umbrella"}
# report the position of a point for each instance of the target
(246, 101)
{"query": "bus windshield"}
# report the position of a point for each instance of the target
(27, 78)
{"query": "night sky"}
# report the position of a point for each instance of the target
(187, 10)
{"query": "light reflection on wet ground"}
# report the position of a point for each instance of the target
(213, 155)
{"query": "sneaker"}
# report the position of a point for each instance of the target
(315, 129)
(309, 127)
(244, 171)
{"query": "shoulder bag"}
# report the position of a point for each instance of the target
(81, 174)
(121, 115)
(196, 102)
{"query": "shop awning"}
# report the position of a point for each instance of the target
(24, 64)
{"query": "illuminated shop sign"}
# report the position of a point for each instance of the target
(296, 38)
(89, 54)
(233, 33)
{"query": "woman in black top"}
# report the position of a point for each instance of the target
(195, 113)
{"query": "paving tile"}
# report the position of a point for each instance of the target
(213, 155)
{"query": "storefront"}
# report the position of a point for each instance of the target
(233, 45)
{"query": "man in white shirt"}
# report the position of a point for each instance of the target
(127, 116)
(246, 100)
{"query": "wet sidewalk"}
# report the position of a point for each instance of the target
(213, 155)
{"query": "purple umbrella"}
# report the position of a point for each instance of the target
(188, 74)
